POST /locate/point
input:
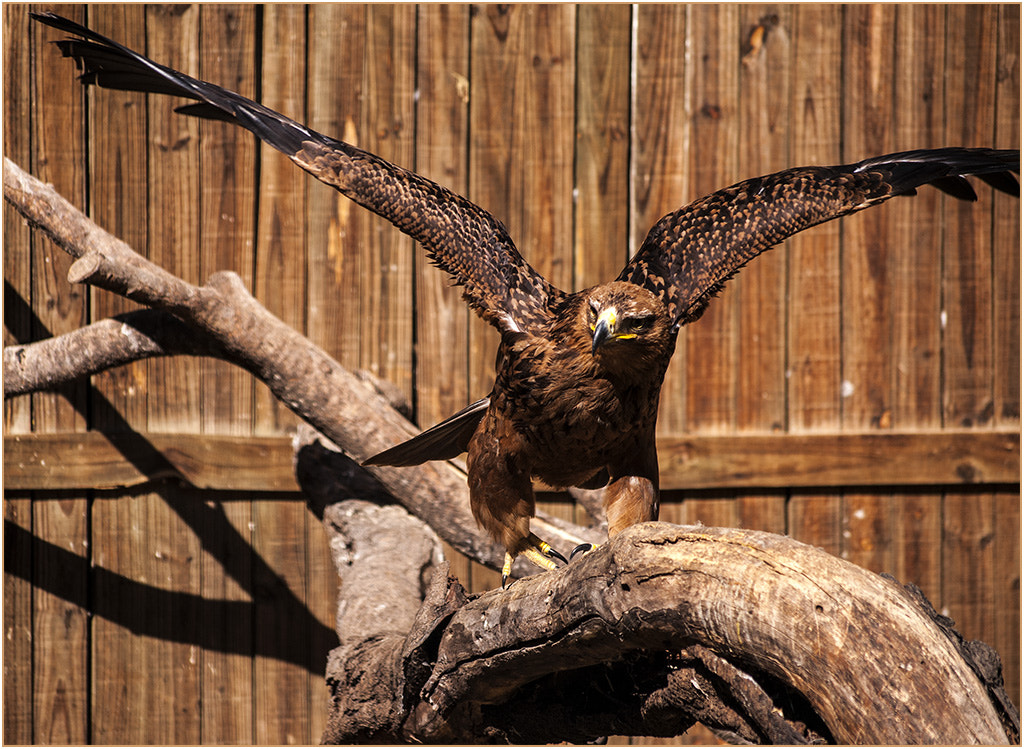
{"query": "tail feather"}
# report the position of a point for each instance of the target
(442, 441)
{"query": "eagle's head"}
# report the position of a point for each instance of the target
(628, 327)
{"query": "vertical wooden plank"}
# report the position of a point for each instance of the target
(603, 68)
(442, 127)
(764, 127)
(18, 702)
(1006, 239)
(1007, 639)
(522, 67)
(659, 161)
(917, 538)
(712, 343)
(118, 190)
(17, 126)
(227, 199)
(17, 256)
(969, 564)
(441, 130)
(916, 264)
(59, 155)
(147, 660)
(281, 701)
(813, 315)
(522, 63)
(388, 129)
(280, 273)
(336, 225)
(1006, 290)
(281, 708)
(760, 290)
(366, 97)
(321, 596)
(173, 206)
(228, 202)
(226, 658)
(968, 366)
(60, 626)
(915, 284)
(868, 42)
(867, 86)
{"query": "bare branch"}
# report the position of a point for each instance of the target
(229, 322)
(103, 345)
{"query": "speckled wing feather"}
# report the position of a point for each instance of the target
(689, 254)
(459, 237)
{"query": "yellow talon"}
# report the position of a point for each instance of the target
(506, 569)
(538, 551)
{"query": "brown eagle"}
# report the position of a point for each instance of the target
(575, 399)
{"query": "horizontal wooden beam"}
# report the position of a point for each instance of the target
(841, 459)
(92, 460)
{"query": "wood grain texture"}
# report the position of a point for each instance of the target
(228, 174)
(865, 271)
(968, 364)
(19, 708)
(17, 81)
(18, 714)
(60, 630)
(813, 317)
(817, 627)
(227, 201)
(264, 464)
(1006, 239)
(659, 170)
(601, 221)
(145, 662)
(765, 77)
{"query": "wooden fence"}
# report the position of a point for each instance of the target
(857, 388)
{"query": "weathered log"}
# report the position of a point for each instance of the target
(867, 658)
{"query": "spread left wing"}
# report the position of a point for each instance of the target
(691, 253)
(461, 238)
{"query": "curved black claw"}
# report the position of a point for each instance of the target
(581, 549)
(552, 553)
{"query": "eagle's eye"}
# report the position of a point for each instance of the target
(639, 324)
(592, 311)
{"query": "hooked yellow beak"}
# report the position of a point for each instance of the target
(604, 328)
